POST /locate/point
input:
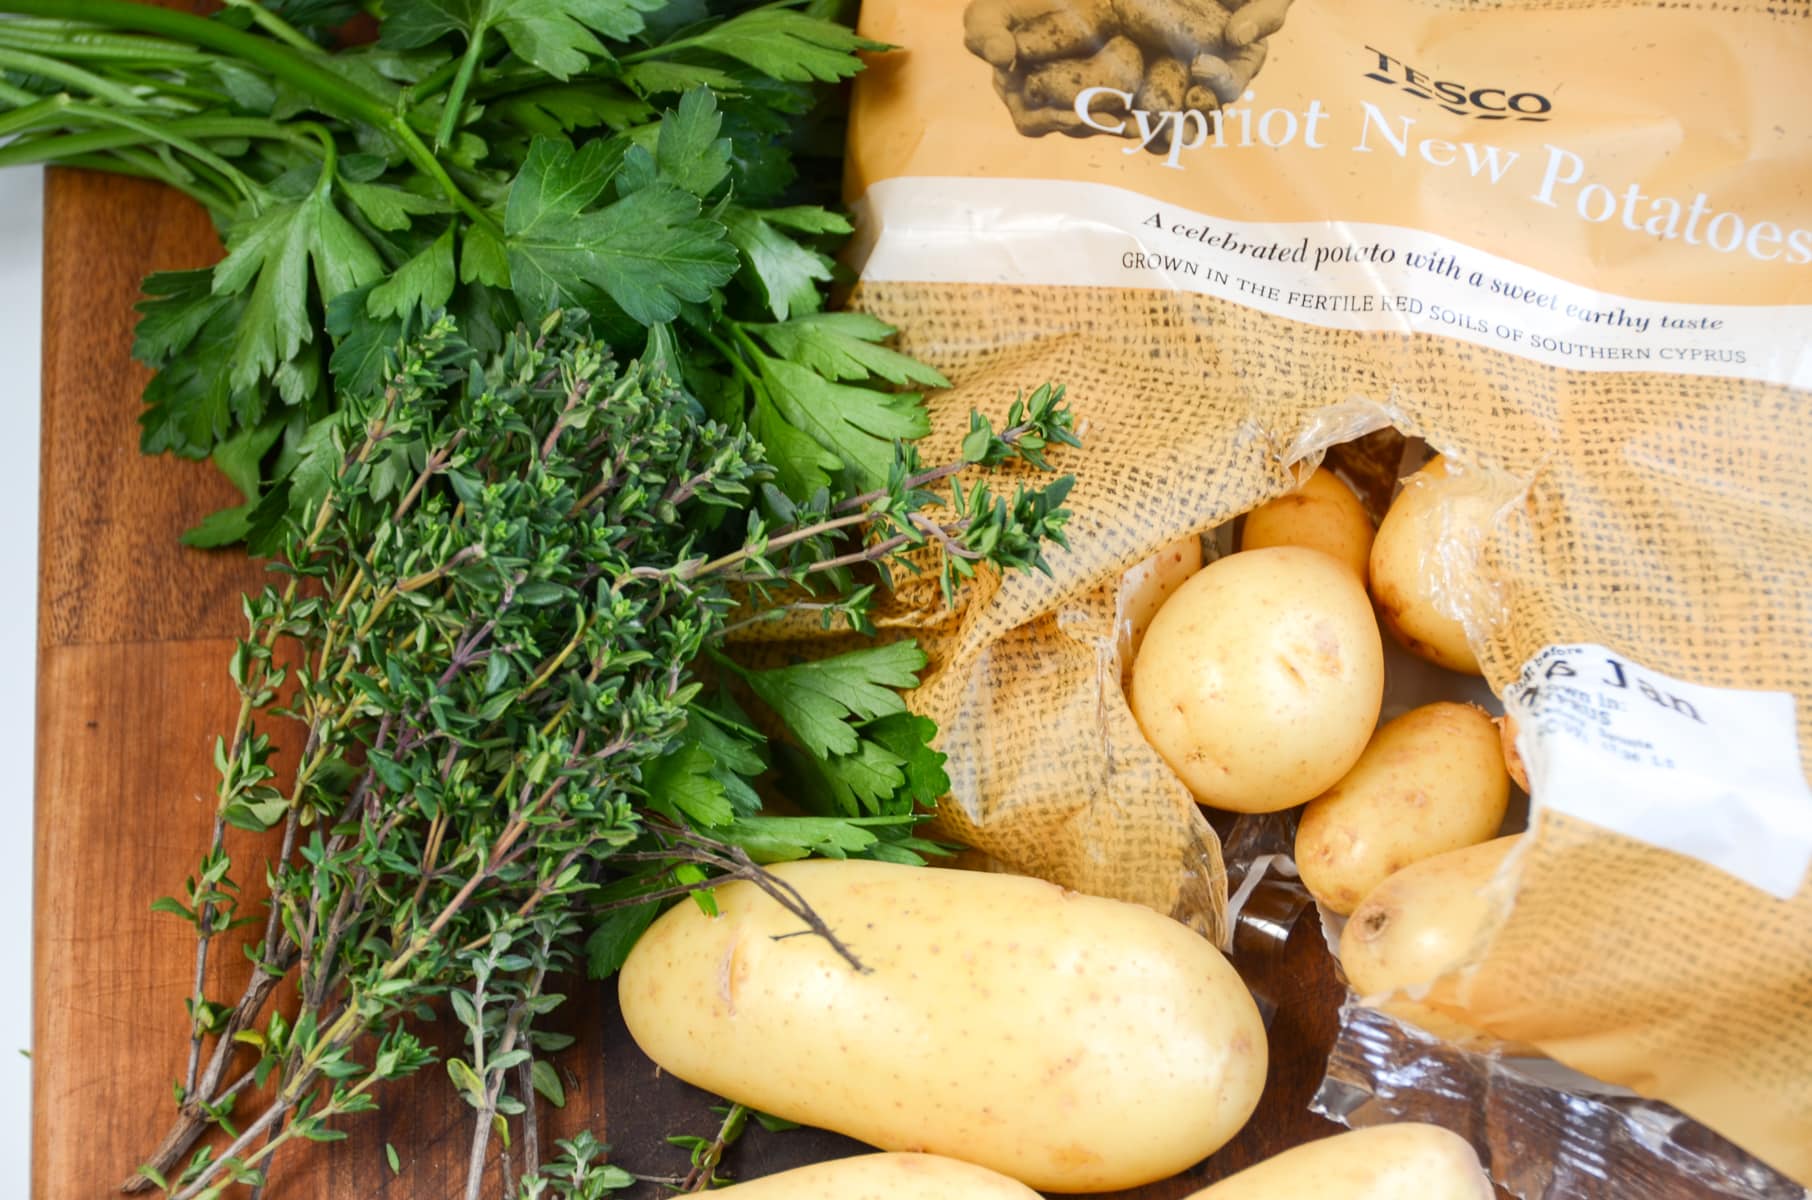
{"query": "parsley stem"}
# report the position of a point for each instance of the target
(334, 92)
(50, 149)
(165, 133)
(100, 87)
(432, 82)
(456, 97)
(35, 113)
(72, 42)
(275, 25)
(127, 161)
(735, 360)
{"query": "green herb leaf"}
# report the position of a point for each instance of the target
(844, 346)
(613, 938)
(688, 150)
(681, 782)
(551, 34)
(657, 76)
(271, 254)
(908, 737)
(390, 208)
(424, 282)
(782, 272)
(224, 527)
(648, 251)
(818, 700)
(546, 1081)
(787, 45)
(857, 425)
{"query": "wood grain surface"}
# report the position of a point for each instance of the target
(135, 631)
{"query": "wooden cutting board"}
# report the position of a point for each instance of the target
(134, 635)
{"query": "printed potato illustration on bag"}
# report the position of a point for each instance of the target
(1058, 63)
(1529, 283)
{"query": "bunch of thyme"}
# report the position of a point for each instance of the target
(496, 629)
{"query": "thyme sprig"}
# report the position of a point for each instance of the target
(496, 629)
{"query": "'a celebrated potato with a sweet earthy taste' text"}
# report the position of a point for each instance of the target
(1322, 514)
(1259, 681)
(1428, 540)
(1074, 1043)
(1431, 781)
(884, 1177)
(1426, 920)
(1386, 1162)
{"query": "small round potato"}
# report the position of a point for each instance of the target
(1431, 781)
(884, 1177)
(1146, 585)
(1260, 681)
(1322, 514)
(1513, 758)
(1437, 522)
(1410, 1161)
(1424, 921)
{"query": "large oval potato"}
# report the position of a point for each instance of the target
(884, 1177)
(1386, 1162)
(1146, 585)
(1074, 1043)
(1433, 527)
(1260, 680)
(1431, 781)
(1424, 921)
(1322, 514)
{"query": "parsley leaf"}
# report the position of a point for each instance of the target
(365, 345)
(389, 208)
(563, 107)
(818, 700)
(801, 466)
(681, 782)
(425, 281)
(891, 771)
(908, 737)
(272, 253)
(845, 346)
(787, 45)
(615, 936)
(186, 333)
(655, 76)
(858, 425)
(554, 35)
(647, 252)
(782, 272)
(689, 152)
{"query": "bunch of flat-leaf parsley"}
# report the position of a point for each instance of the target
(496, 159)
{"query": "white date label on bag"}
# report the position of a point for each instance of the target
(1713, 773)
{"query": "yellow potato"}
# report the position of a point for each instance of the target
(1431, 781)
(884, 1177)
(1386, 1162)
(1146, 585)
(1424, 921)
(1322, 514)
(1513, 758)
(1073, 1043)
(1434, 526)
(1260, 680)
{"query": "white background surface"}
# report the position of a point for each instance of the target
(21, 295)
